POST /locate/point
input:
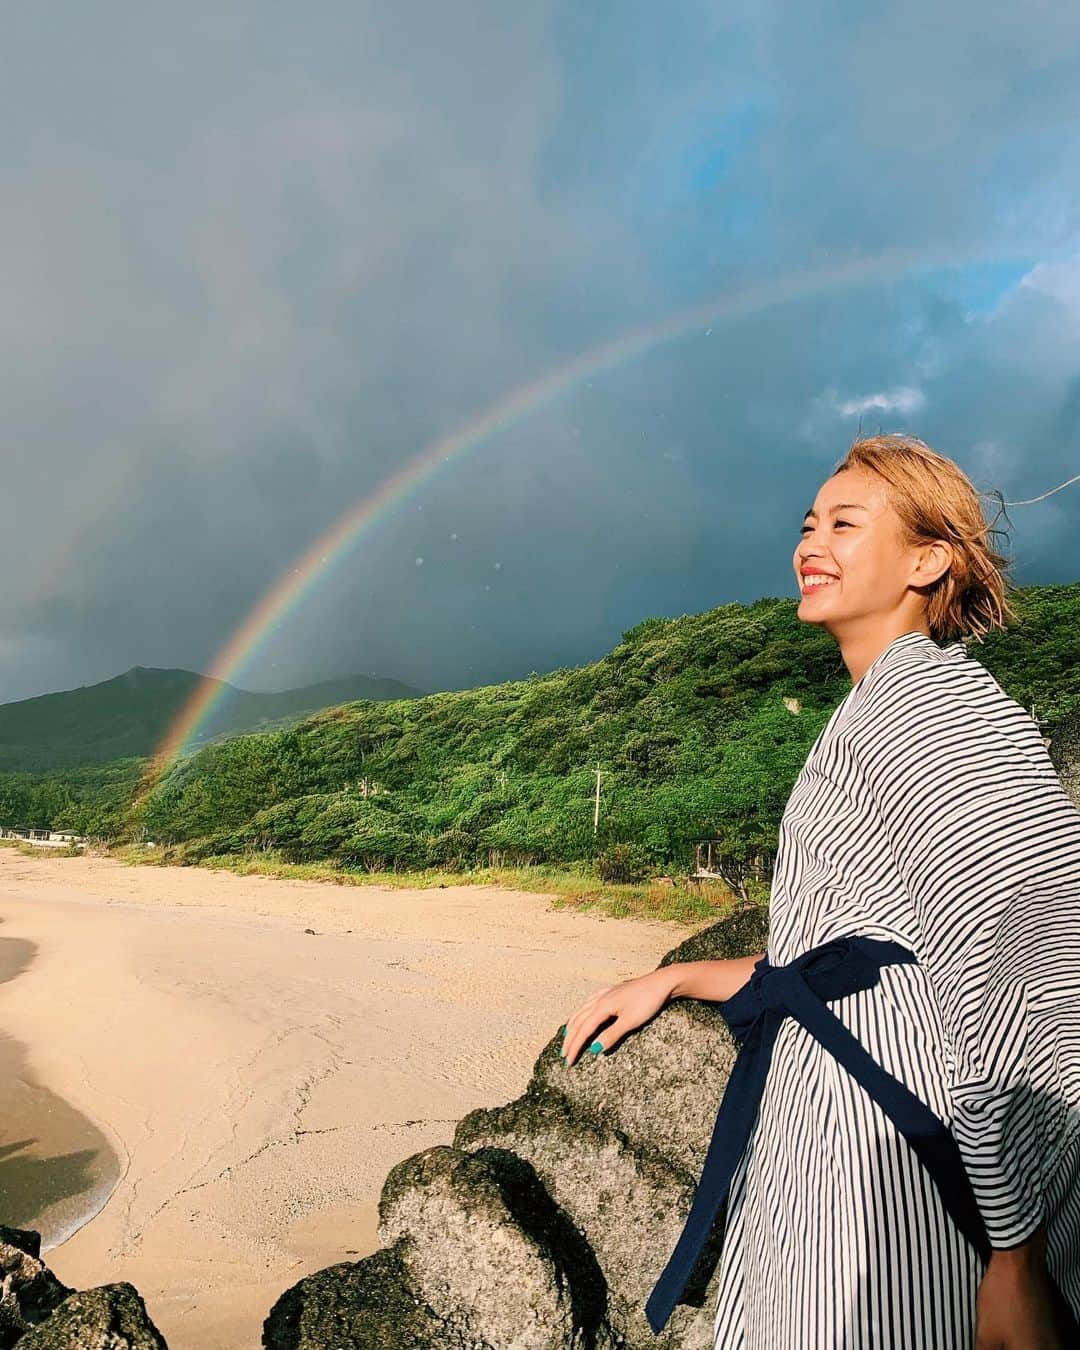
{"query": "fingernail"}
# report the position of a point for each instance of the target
(596, 1048)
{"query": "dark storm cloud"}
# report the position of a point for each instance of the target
(253, 261)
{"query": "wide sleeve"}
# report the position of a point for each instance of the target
(986, 844)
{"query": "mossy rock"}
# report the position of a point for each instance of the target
(356, 1305)
(110, 1317)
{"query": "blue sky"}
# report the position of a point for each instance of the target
(255, 257)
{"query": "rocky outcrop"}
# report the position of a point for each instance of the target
(111, 1317)
(355, 1303)
(29, 1291)
(37, 1312)
(546, 1223)
(509, 1268)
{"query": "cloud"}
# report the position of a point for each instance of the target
(903, 400)
(1059, 280)
(253, 262)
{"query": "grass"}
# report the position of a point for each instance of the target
(29, 850)
(678, 902)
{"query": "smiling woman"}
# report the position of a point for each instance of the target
(929, 818)
(895, 540)
(899, 1143)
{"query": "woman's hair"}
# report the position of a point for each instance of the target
(935, 499)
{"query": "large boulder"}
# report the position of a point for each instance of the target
(627, 1203)
(29, 1291)
(355, 1303)
(508, 1267)
(37, 1312)
(111, 1317)
(548, 1221)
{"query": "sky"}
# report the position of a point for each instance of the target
(256, 258)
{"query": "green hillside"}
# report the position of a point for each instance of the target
(129, 716)
(686, 718)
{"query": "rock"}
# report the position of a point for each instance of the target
(29, 1291)
(628, 1204)
(37, 1312)
(357, 1305)
(547, 1222)
(683, 1056)
(24, 1238)
(743, 932)
(486, 1244)
(111, 1317)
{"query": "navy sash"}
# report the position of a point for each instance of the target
(846, 965)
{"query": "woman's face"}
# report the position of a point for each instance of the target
(852, 539)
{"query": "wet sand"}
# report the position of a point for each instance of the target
(57, 1168)
(253, 1082)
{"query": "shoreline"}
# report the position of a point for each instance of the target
(265, 1051)
(57, 1167)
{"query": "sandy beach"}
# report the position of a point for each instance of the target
(228, 1090)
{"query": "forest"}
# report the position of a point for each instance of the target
(698, 726)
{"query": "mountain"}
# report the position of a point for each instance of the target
(130, 715)
(699, 726)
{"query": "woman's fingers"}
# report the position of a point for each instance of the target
(601, 1022)
(583, 1040)
(585, 1026)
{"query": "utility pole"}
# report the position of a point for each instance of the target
(596, 812)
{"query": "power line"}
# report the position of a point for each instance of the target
(1031, 500)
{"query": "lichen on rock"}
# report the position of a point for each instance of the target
(29, 1291)
(37, 1312)
(110, 1317)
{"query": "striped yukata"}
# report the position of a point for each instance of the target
(928, 812)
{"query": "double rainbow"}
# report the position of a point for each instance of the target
(360, 520)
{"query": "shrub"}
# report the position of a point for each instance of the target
(453, 848)
(624, 862)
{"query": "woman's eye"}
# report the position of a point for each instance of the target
(810, 527)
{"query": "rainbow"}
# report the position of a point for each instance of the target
(293, 585)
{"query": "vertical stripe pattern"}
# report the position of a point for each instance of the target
(927, 812)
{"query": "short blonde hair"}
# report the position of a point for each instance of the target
(935, 499)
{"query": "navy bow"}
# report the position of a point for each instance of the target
(799, 989)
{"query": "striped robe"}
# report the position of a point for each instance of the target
(928, 812)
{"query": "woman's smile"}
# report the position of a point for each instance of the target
(816, 581)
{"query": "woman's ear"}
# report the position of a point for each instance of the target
(935, 559)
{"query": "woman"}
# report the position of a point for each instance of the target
(927, 820)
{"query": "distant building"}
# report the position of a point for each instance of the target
(30, 834)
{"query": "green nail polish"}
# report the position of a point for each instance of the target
(562, 1031)
(596, 1048)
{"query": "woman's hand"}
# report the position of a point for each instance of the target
(1015, 1306)
(631, 1003)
